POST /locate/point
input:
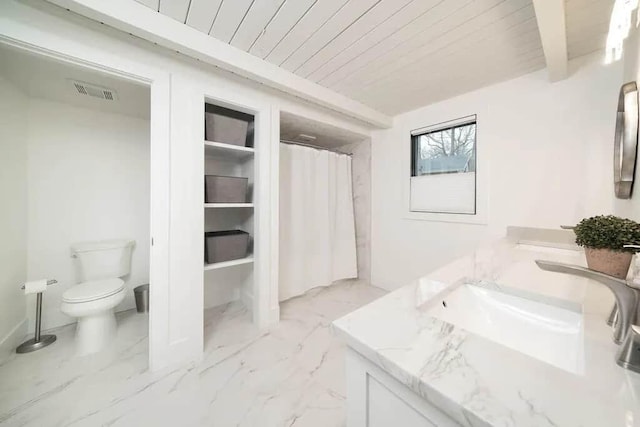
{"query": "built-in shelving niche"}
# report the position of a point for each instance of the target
(229, 281)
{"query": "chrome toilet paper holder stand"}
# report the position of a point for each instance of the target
(38, 341)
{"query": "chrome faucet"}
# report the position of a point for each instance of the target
(627, 298)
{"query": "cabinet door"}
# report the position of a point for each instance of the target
(376, 399)
(387, 409)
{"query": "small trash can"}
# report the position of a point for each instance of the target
(142, 298)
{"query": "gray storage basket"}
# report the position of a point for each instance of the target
(225, 189)
(228, 126)
(228, 130)
(220, 246)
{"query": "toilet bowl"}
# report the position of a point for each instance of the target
(101, 265)
(92, 303)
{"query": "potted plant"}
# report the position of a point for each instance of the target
(603, 238)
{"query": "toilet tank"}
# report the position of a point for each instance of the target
(103, 259)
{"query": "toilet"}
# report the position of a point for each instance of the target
(101, 266)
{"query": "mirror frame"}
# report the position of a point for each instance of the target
(625, 141)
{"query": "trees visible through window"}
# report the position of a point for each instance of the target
(450, 150)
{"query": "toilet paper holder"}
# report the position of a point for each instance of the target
(49, 283)
(38, 341)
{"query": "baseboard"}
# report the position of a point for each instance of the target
(13, 339)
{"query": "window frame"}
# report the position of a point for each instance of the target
(440, 127)
(415, 146)
(481, 163)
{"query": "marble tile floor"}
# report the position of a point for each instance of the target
(292, 375)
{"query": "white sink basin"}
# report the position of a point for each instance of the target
(551, 331)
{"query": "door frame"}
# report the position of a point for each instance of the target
(161, 351)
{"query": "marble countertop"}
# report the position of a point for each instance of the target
(479, 382)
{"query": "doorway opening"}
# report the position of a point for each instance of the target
(325, 203)
(75, 169)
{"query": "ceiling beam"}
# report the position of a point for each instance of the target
(137, 19)
(550, 15)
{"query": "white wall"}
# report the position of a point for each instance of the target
(13, 215)
(630, 208)
(88, 180)
(361, 181)
(546, 149)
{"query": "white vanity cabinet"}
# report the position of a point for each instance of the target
(376, 399)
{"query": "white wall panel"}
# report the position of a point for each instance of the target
(176, 9)
(311, 22)
(153, 4)
(187, 216)
(288, 15)
(386, 29)
(508, 50)
(13, 216)
(351, 11)
(259, 15)
(587, 25)
(469, 52)
(453, 25)
(378, 14)
(366, 49)
(202, 14)
(378, 52)
(230, 16)
(458, 82)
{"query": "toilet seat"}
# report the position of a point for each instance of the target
(93, 290)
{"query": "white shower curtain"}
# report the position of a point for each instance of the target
(317, 229)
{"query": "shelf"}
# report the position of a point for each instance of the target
(221, 149)
(227, 205)
(225, 264)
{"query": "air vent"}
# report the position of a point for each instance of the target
(95, 91)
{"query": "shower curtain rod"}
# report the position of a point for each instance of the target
(286, 141)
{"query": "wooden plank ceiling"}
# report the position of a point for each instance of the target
(587, 25)
(393, 55)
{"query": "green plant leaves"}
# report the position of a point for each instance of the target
(607, 232)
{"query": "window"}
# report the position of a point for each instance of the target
(443, 168)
